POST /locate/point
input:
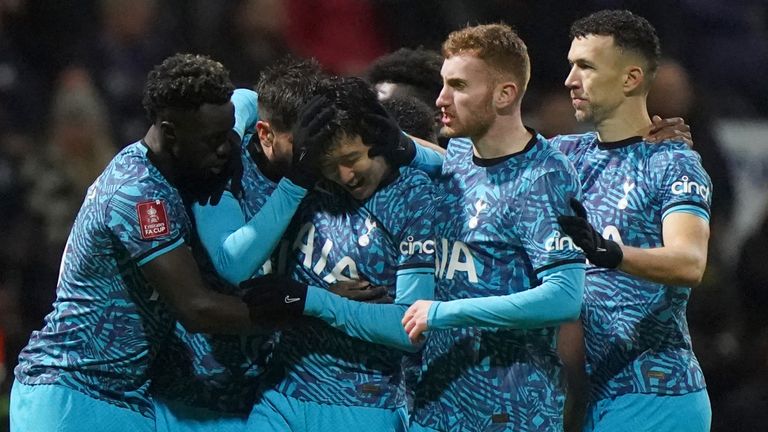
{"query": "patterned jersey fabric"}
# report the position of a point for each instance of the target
(107, 323)
(218, 372)
(496, 231)
(335, 237)
(636, 331)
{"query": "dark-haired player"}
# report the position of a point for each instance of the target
(127, 272)
(644, 226)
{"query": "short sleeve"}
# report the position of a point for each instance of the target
(148, 220)
(682, 183)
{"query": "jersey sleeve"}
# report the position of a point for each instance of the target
(682, 183)
(246, 104)
(547, 198)
(148, 220)
(415, 235)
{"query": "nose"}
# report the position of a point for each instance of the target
(345, 174)
(570, 80)
(443, 99)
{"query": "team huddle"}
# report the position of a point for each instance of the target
(296, 258)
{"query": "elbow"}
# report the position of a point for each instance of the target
(571, 311)
(692, 274)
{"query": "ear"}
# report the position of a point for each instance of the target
(265, 133)
(506, 94)
(168, 131)
(634, 79)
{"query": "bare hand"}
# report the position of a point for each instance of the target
(415, 320)
(671, 128)
(360, 290)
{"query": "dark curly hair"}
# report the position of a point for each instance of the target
(418, 68)
(285, 87)
(353, 98)
(185, 82)
(414, 116)
(630, 32)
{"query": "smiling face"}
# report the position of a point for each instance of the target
(466, 100)
(348, 164)
(597, 76)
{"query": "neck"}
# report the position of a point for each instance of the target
(505, 136)
(159, 157)
(629, 119)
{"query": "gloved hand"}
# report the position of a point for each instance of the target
(600, 251)
(383, 134)
(362, 291)
(274, 297)
(309, 135)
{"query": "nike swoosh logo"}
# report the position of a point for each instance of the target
(596, 250)
(289, 299)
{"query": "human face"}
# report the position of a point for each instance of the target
(203, 141)
(466, 100)
(596, 78)
(349, 165)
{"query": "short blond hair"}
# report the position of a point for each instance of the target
(496, 44)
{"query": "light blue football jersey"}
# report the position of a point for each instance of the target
(334, 237)
(107, 323)
(637, 337)
(496, 231)
(219, 372)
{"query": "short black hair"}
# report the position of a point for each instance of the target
(353, 99)
(414, 116)
(418, 68)
(285, 87)
(630, 32)
(186, 82)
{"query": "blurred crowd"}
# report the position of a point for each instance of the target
(71, 77)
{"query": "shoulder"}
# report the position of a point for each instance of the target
(572, 142)
(131, 177)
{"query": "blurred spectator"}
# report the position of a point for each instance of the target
(552, 114)
(132, 38)
(77, 149)
(252, 38)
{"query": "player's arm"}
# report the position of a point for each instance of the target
(175, 276)
(428, 157)
(556, 300)
(682, 259)
(239, 247)
(377, 323)
(246, 104)
(572, 352)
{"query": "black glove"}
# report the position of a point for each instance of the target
(309, 135)
(273, 297)
(600, 251)
(381, 132)
(361, 291)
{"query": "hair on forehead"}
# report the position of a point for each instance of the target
(496, 44)
(285, 87)
(186, 82)
(630, 32)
